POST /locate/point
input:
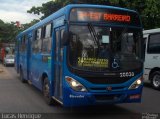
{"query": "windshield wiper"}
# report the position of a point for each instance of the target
(93, 33)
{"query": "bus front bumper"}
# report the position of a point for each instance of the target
(72, 98)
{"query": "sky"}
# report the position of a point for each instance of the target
(16, 10)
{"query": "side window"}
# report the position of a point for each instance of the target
(37, 42)
(48, 31)
(39, 33)
(23, 43)
(46, 47)
(154, 43)
(34, 41)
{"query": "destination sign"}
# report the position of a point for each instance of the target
(92, 62)
(104, 15)
(97, 16)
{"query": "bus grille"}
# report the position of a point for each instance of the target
(107, 97)
(106, 80)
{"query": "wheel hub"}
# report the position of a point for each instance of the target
(156, 80)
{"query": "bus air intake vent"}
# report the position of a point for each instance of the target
(106, 80)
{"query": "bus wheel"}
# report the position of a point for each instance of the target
(155, 79)
(21, 77)
(46, 92)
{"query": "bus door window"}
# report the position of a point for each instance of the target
(56, 46)
(58, 64)
(61, 47)
(61, 62)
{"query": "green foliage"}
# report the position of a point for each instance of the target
(8, 31)
(149, 10)
(25, 26)
(46, 9)
(151, 14)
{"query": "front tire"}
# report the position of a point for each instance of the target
(46, 92)
(155, 80)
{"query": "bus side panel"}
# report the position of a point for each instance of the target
(35, 68)
(22, 64)
(40, 64)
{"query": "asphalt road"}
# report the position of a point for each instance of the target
(16, 97)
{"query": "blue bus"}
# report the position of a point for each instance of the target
(84, 55)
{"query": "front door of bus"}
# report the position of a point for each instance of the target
(58, 64)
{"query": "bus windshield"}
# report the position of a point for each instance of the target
(99, 48)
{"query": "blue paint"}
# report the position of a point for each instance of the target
(33, 66)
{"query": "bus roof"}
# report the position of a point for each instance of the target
(150, 31)
(98, 6)
(66, 9)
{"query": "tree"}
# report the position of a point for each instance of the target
(8, 31)
(27, 25)
(148, 9)
(46, 9)
(50, 7)
(151, 14)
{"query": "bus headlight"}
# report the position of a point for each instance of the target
(136, 83)
(75, 85)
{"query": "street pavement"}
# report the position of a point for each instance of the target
(17, 97)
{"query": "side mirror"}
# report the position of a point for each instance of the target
(65, 38)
